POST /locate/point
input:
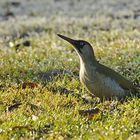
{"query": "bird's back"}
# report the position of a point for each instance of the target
(104, 82)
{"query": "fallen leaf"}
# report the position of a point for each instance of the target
(90, 113)
(29, 85)
(12, 107)
(29, 128)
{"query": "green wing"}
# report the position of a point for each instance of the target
(123, 82)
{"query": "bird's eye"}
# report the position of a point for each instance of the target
(81, 43)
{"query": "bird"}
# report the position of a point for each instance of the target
(100, 80)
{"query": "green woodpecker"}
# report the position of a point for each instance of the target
(99, 80)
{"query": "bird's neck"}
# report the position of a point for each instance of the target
(86, 68)
(85, 65)
(89, 60)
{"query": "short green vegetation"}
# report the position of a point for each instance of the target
(40, 92)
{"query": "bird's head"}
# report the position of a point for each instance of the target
(83, 48)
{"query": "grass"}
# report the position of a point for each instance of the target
(32, 107)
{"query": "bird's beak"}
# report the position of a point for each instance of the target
(71, 41)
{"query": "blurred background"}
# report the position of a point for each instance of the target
(101, 14)
(126, 9)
